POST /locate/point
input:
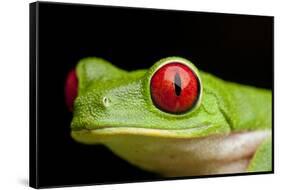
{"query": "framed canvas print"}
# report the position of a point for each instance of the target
(122, 94)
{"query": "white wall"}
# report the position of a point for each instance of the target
(14, 79)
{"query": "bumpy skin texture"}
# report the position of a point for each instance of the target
(112, 102)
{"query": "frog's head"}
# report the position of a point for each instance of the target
(167, 100)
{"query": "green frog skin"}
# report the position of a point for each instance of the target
(172, 119)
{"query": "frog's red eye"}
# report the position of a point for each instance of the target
(71, 87)
(175, 88)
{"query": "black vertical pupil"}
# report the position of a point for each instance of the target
(177, 83)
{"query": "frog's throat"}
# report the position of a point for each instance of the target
(180, 156)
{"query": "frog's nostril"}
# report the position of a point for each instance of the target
(71, 89)
(106, 101)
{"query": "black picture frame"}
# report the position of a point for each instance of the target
(63, 33)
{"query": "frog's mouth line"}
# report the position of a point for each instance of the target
(137, 131)
(92, 136)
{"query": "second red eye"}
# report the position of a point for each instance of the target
(71, 89)
(174, 88)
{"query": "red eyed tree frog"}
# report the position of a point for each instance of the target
(171, 119)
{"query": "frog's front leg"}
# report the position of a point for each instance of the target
(262, 159)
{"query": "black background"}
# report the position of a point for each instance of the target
(234, 47)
